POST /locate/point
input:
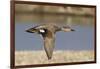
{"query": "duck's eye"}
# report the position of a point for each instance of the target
(42, 31)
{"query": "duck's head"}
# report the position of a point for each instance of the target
(67, 29)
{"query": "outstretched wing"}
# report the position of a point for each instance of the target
(49, 43)
(40, 26)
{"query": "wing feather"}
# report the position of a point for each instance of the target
(49, 43)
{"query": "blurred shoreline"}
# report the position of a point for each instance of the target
(56, 14)
(59, 56)
(58, 10)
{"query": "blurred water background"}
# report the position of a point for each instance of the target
(79, 18)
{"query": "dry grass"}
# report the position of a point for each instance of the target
(39, 57)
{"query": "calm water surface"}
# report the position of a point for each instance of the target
(81, 39)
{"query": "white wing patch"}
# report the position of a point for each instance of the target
(42, 31)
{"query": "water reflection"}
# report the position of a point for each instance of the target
(59, 19)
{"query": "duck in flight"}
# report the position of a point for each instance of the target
(48, 32)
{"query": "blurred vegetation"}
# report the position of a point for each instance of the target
(59, 56)
(58, 14)
(24, 8)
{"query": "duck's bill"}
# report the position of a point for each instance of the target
(31, 30)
